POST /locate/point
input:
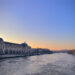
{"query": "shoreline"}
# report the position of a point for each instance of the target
(10, 56)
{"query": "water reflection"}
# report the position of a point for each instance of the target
(54, 64)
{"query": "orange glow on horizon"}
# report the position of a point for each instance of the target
(38, 44)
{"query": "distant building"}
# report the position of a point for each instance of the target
(13, 48)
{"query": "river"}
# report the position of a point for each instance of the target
(49, 64)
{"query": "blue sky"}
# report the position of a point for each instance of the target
(41, 23)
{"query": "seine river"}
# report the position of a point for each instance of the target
(53, 64)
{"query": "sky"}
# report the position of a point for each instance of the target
(40, 23)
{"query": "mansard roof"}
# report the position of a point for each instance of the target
(23, 44)
(11, 43)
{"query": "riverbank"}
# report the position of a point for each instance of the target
(32, 52)
(11, 56)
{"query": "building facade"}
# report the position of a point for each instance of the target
(13, 48)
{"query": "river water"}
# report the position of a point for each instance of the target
(49, 64)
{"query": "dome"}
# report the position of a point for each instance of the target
(1, 39)
(24, 44)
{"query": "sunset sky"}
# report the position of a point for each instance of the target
(40, 23)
